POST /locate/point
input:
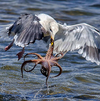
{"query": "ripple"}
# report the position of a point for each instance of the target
(7, 67)
(4, 21)
(78, 12)
(10, 98)
(85, 97)
(33, 9)
(83, 79)
(95, 5)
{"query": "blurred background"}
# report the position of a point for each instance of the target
(80, 79)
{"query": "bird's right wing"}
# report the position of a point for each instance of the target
(84, 37)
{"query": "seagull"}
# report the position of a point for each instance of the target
(81, 37)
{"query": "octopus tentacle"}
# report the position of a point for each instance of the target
(47, 62)
(39, 56)
(29, 61)
(57, 58)
(56, 64)
(33, 67)
(49, 70)
(58, 54)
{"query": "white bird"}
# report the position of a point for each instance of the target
(82, 37)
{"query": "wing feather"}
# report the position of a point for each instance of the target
(26, 29)
(82, 37)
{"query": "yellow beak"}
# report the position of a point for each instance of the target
(52, 40)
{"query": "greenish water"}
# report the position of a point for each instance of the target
(80, 79)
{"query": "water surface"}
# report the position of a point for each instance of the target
(80, 79)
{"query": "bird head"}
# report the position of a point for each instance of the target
(53, 31)
(50, 26)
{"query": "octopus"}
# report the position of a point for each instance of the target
(46, 62)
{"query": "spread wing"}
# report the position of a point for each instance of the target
(26, 29)
(80, 36)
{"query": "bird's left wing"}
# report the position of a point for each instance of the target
(80, 36)
(26, 29)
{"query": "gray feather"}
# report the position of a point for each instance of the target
(80, 36)
(27, 29)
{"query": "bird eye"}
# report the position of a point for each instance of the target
(50, 30)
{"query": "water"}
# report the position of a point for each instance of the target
(80, 79)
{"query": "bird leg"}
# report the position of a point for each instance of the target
(9, 46)
(20, 54)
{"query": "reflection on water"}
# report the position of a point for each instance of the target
(80, 79)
